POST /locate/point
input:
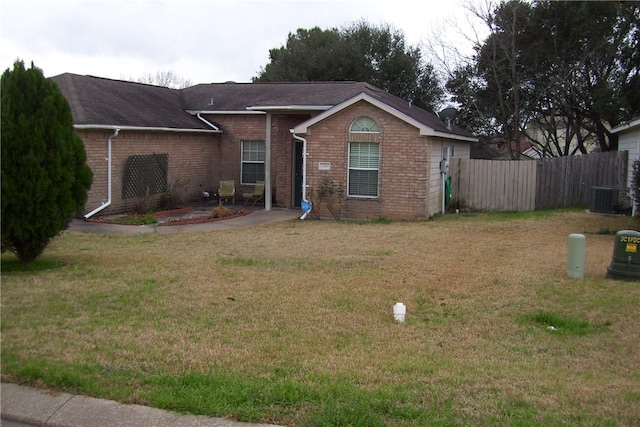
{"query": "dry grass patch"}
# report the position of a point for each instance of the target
(300, 313)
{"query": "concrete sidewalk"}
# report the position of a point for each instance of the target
(26, 406)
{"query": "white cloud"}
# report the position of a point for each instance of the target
(203, 41)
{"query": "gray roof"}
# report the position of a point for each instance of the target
(105, 102)
(240, 96)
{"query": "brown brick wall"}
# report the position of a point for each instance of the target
(190, 163)
(226, 153)
(200, 161)
(404, 164)
(203, 160)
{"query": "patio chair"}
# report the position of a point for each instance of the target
(227, 191)
(256, 196)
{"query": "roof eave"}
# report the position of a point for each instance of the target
(263, 109)
(303, 127)
(225, 112)
(424, 130)
(626, 125)
(448, 135)
(289, 107)
(144, 128)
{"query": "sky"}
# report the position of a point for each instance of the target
(202, 41)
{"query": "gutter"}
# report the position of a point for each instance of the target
(228, 112)
(305, 202)
(289, 107)
(140, 128)
(108, 202)
(450, 136)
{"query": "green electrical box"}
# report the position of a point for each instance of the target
(626, 256)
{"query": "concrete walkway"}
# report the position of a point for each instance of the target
(25, 406)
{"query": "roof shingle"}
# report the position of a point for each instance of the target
(100, 101)
(105, 102)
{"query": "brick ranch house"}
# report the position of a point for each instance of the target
(141, 139)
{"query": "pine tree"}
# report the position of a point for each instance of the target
(45, 178)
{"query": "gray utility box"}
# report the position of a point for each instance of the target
(625, 263)
(604, 199)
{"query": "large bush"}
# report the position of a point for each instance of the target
(45, 177)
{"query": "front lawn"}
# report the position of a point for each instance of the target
(292, 323)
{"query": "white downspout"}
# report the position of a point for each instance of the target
(304, 173)
(208, 123)
(108, 159)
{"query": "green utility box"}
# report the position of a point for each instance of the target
(626, 256)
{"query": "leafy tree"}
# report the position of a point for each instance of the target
(45, 177)
(165, 79)
(492, 88)
(591, 62)
(560, 73)
(310, 55)
(360, 52)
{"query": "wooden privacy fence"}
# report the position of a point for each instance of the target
(568, 181)
(491, 185)
(526, 185)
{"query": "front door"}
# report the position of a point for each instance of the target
(297, 179)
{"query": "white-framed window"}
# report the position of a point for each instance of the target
(364, 158)
(252, 162)
(364, 161)
(364, 125)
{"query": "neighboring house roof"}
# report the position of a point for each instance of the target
(100, 101)
(628, 125)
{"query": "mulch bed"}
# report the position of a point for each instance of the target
(197, 219)
(201, 219)
(172, 211)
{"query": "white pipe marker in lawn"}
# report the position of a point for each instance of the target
(576, 256)
(399, 311)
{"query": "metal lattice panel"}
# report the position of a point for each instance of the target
(145, 175)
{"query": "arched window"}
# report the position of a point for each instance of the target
(364, 125)
(364, 158)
